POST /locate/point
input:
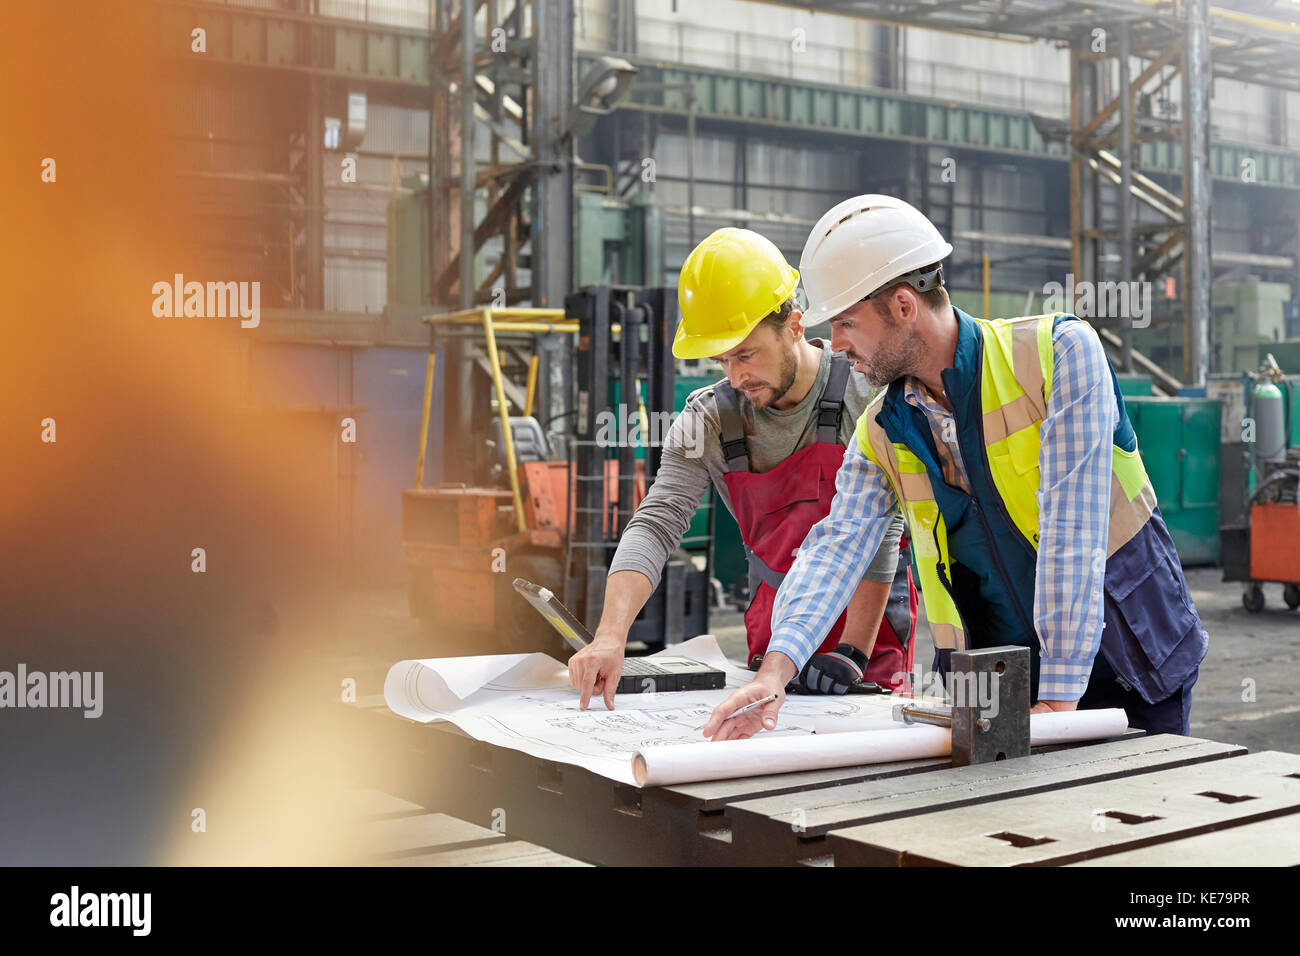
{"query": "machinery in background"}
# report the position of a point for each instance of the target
(480, 525)
(1180, 441)
(1258, 543)
(552, 495)
(1246, 316)
(625, 345)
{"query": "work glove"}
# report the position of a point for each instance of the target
(834, 672)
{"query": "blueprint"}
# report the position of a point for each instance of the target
(525, 702)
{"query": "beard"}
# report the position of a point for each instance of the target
(788, 372)
(885, 366)
(895, 357)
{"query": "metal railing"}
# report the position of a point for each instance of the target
(847, 65)
(412, 14)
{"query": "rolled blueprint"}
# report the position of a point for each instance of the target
(1064, 726)
(691, 763)
(1057, 727)
(845, 742)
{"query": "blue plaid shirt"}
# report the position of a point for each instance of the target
(1073, 518)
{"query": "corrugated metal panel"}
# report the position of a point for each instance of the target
(591, 25)
(715, 156)
(378, 170)
(1239, 112)
(355, 285)
(787, 237)
(806, 206)
(401, 13)
(775, 164)
(707, 195)
(358, 239)
(233, 112)
(349, 202)
(395, 129)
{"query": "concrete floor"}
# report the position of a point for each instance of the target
(1249, 689)
(1248, 692)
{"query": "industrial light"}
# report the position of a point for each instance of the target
(603, 87)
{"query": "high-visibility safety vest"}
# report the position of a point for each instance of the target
(975, 554)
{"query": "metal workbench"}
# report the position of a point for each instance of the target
(1132, 800)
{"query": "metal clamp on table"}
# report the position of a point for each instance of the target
(989, 714)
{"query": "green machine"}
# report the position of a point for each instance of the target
(1179, 441)
(407, 255)
(1134, 383)
(617, 241)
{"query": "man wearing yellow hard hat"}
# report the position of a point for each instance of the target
(770, 437)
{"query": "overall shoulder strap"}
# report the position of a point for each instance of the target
(735, 452)
(830, 410)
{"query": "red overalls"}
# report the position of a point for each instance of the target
(775, 511)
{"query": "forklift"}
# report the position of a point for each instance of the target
(544, 494)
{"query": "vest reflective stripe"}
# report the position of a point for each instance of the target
(1033, 339)
(1127, 521)
(1015, 382)
(928, 536)
(915, 487)
(1007, 419)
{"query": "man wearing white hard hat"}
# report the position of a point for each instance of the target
(1007, 446)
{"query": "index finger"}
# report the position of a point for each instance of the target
(590, 672)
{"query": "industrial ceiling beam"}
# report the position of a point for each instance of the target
(1152, 22)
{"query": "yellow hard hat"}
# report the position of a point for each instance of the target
(729, 283)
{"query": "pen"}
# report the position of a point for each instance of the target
(758, 703)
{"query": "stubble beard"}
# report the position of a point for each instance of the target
(789, 372)
(899, 356)
(882, 369)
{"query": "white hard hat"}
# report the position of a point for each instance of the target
(862, 245)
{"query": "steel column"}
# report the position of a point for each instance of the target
(552, 226)
(1196, 189)
(314, 166)
(1125, 207)
(690, 165)
(467, 288)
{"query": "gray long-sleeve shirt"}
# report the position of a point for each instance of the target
(692, 457)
